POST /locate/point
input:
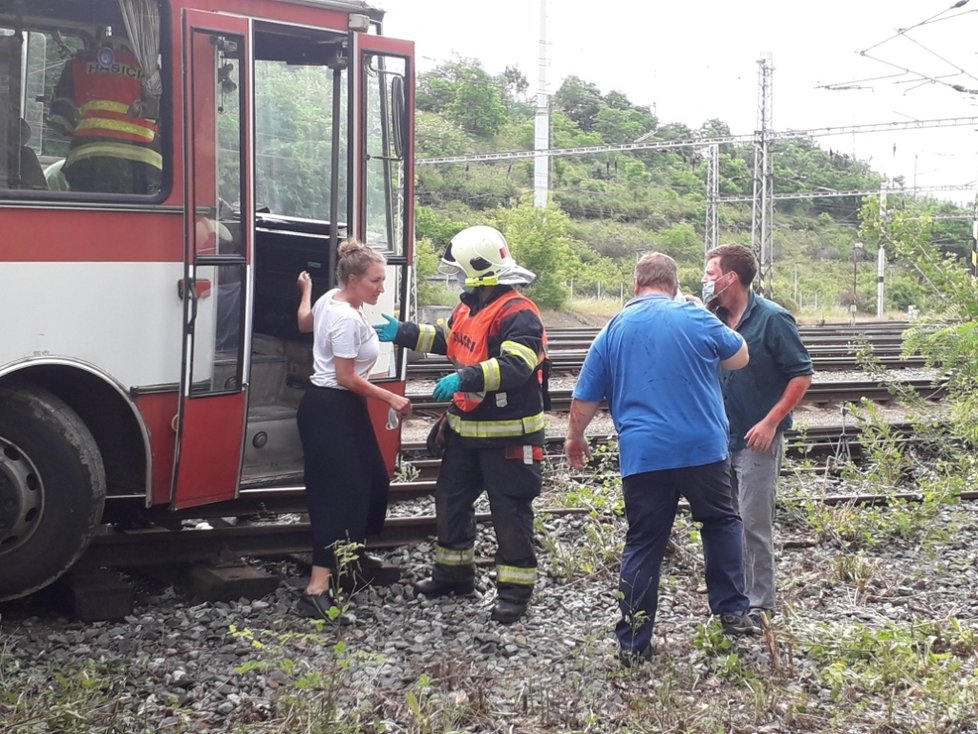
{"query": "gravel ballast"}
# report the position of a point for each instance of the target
(412, 664)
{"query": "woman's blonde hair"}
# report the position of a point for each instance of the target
(355, 258)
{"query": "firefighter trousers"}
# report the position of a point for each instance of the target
(511, 476)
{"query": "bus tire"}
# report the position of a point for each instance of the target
(52, 489)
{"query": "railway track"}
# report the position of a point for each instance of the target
(822, 393)
(831, 359)
(832, 349)
(261, 531)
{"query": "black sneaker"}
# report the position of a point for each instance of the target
(634, 658)
(738, 624)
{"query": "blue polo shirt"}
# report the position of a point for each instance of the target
(656, 364)
(776, 356)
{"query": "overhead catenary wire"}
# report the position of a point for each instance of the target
(704, 141)
(918, 78)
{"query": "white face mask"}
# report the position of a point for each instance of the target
(710, 292)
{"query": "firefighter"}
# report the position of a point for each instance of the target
(97, 103)
(492, 435)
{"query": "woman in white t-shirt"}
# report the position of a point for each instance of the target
(346, 480)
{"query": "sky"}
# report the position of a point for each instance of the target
(836, 63)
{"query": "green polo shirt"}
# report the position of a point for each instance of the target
(776, 356)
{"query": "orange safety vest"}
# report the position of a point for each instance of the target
(468, 340)
(106, 83)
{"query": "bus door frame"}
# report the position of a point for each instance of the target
(212, 416)
(365, 45)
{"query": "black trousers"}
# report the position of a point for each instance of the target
(113, 176)
(346, 480)
(511, 484)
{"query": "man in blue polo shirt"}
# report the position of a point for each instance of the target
(656, 363)
(758, 401)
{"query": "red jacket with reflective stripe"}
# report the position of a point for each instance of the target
(474, 333)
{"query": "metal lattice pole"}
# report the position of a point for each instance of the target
(541, 124)
(712, 230)
(762, 213)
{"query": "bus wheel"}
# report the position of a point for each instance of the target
(52, 489)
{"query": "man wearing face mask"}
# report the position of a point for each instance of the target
(492, 436)
(758, 401)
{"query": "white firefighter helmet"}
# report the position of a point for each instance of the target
(481, 256)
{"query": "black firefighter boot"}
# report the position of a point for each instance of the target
(511, 602)
(445, 580)
(507, 611)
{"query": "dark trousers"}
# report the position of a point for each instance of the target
(113, 176)
(651, 500)
(346, 480)
(511, 485)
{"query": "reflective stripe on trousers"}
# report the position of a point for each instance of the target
(516, 575)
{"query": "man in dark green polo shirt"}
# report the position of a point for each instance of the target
(758, 400)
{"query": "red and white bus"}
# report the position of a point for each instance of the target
(149, 354)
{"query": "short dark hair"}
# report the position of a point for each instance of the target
(738, 258)
(654, 269)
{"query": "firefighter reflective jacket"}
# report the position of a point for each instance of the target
(499, 348)
(93, 103)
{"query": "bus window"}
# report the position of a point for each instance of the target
(293, 135)
(84, 75)
(385, 156)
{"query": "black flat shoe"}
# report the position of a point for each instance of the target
(370, 561)
(321, 606)
(371, 572)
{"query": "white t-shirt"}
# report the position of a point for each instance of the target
(339, 330)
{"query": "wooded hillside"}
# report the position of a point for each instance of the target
(607, 208)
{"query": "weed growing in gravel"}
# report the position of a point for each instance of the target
(891, 511)
(592, 545)
(406, 472)
(68, 699)
(857, 569)
(918, 666)
(310, 685)
(601, 490)
(590, 548)
(719, 653)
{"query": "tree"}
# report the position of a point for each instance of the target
(580, 101)
(514, 82)
(540, 241)
(465, 93)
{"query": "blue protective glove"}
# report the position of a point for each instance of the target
(387, 332)
(447, 386)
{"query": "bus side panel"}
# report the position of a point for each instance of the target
(158, 411)
(388, 438)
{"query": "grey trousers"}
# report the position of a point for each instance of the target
(753, 482)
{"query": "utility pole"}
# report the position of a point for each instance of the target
(762, 214)
(880, 273)
(541, 122)
(974, 238)
(711, 235)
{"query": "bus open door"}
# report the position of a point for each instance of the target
(213, 401)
